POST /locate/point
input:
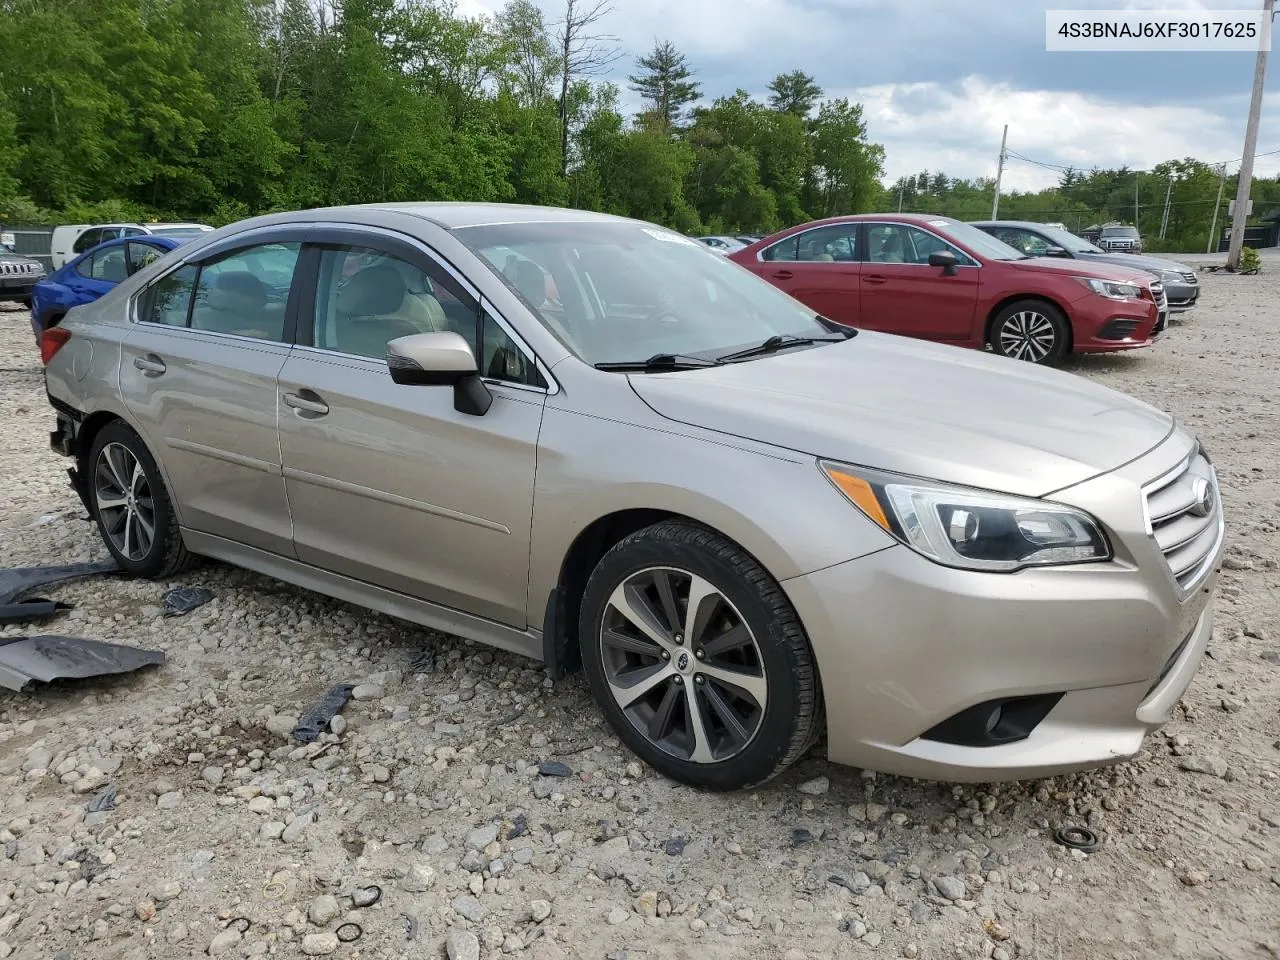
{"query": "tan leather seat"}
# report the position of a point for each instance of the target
(370, 312)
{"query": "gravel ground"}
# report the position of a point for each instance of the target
(228, 839)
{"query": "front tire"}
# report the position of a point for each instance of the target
(697, 658)
(1030, 330)
(132, 507)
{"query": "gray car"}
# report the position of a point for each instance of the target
(18, 276)
(1181, 285)
(593, 442)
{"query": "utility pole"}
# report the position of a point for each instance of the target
(1213, 228)
(1137, 180)
(995, 204)
(1243, 189)
(902, 185)
(1168, 195)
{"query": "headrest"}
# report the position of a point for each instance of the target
(375, 291)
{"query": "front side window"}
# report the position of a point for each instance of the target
(367, 298)
(621, 292)
(142, 255)
(500, 359)
(168, 300)
(1025, 241)
(245, 292)
(90, 238)
(109, 265)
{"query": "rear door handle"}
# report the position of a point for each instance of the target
(306, 404)
(150, 365)
(876, 278)
(781, 274)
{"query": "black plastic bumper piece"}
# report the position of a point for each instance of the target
(995, 722)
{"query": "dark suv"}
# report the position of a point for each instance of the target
(18, 274)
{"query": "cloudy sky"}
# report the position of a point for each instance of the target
(939, 79)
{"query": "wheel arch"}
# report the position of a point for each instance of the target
(1017, 297)
(560, 640)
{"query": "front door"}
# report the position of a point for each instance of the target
(902, 294)
(198, 373)
(818, 267)
(388, 483)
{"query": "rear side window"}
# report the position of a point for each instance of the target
(782, 250)
(245, 293)
(107, 265)
(142, 255)
(168, 299)
(90, 238)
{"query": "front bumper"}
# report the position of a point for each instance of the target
(18, 289)
(1182, 296)
(904, 644)
(1101, 325)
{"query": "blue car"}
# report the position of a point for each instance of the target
(92, 274)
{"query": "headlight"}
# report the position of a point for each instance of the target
(1168, 277)
(971, 529)
(1112, 290)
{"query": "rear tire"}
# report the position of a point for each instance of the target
(132, 507)
(728, 693)
(1030, 330)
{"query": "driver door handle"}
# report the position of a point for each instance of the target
(150, 365)
(306, 405)
(781, 274)
(876, 278)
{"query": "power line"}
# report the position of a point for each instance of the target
(1064, 168)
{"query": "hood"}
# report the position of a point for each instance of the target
(1142, 262)
(8, 257)
(1081, 268)
(918, 408)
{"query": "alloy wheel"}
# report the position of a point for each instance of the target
(1027, 335)
(124, 501)
(683, 665)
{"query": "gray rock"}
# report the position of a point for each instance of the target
(539, 910)
(170, 801)
(1271, 817)
(37, 759)
(952, 888)
(324, 910)
(921, 913)
(224, 942)
(419, 878)
(461, 945)
(1213, 766)
(815, 787)
(297, 827)
(469, 908)
(319, 944)
(368, 691)
(338, 725)
(281, 724)
(617, 916)
(271, 830)
(213, 775)
(481, 837)
(164, 892)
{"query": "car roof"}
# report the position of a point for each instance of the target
(446, 214)
(1028, 224)
(167, 243)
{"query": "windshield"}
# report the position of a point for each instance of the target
(617, 292)
(979, 241)
(1120, 232)
(1068, 241)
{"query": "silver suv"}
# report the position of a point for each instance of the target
(594, 442)
(1120, 239)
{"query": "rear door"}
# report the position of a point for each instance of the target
(819, 267)
(97, 273)
(198, 373)
(902, 294)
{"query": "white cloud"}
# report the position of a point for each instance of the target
(957, 129)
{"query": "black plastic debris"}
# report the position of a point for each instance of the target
(17, 605)
(800, 837)
(520, 828)
(424, 661)
(46, 658)
(180, 600)
(554, 768)
(103, 800)
(316, 720)
(675, 845)
(349, 932)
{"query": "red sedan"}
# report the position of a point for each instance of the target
(942, 279)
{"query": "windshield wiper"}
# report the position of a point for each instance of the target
(659, 362)
(776, 343)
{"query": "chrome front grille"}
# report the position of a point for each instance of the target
(1190, 277)
(1184, 517)
(1158, 294)
(14, 269)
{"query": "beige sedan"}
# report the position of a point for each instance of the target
(594, 442)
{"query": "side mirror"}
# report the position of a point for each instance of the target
(944, 259)
(440, 360)
(1057, 252)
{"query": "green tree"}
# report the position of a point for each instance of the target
(847, 166)
(666, 83)
(795, 92)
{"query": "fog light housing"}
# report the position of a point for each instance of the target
(994, 722)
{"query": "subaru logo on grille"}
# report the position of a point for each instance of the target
(1202, 497)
